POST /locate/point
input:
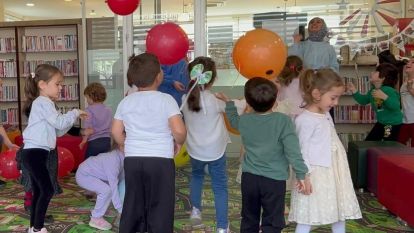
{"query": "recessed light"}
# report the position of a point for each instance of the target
(92, 12)
(67, 0)
(30, 4)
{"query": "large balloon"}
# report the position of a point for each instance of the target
(259, 53)
(168, 42)
(182, 158)
(123, 7)
(66, 162)
(8, 165)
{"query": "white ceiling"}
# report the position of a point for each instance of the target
(52, 9)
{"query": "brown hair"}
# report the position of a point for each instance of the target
(43, 72)
(260, 94)
(194, 97)
(323, 80)
(143, 69)
(96, 92)
(292, 69)
(389, 73)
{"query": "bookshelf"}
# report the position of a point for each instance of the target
(26, 44)
(354, 121)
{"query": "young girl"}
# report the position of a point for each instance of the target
(385, 101)
(44, 124)
(207, 139)
(100, 120)
(100, 174)
(289, 97)
(407, 101)
(329, 196)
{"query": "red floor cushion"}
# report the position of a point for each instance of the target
(396, 185)
(69, 142)
(372, 162)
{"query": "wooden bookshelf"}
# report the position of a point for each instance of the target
(26, 44)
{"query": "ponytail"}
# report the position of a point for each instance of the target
(194, 98)
(292, 69)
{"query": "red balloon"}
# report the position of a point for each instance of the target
(8, 165)
(123, 7)
(66, 162)
(168, 42)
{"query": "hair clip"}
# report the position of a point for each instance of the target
(32, 75)
(292, 67)
(315, 71)
(198, 75)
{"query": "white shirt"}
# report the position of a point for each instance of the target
(407, 101)
(145, 117)
(314, 133)
(207, 135)
(46, 123)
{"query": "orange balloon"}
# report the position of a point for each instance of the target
(228, 126)
(259, 53)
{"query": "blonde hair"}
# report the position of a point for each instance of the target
(323, 80)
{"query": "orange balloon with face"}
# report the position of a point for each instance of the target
(260, 53)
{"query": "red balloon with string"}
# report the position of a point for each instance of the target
(8, 165)
(66, 162)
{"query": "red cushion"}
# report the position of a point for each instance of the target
(396, 185)
(69, 142)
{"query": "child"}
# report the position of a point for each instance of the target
(271, 145)
(100, 174)
(175, 80)
(329, 197)
(100, 120)
(154, 132)
(207, 139)
(44, 124)
(385, 101)
(5, 139)
(407, 101)
(289, 97)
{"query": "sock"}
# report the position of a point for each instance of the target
(338, 227)
(36, 230)
(303, 228)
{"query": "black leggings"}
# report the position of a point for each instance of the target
(382, 132)
(34, 160)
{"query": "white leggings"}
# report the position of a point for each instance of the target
(337, 227)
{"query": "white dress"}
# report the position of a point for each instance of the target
(333, 198)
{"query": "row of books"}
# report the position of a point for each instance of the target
(7, 45)
(69, 92)
(8, 69)
(8, 93)
(349, 137)
(69, 67)
(9, 116)
(354, 114)
(362, 84)
(49, 43)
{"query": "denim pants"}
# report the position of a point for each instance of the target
(218, 173)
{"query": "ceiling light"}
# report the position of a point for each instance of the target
(67, 0)
(30, 4)
(92, 12)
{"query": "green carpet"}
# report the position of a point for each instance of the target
(71, 210)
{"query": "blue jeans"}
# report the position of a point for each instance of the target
(218, 173)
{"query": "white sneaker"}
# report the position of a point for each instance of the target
(30, 230)
(222, 230)
(195, 217)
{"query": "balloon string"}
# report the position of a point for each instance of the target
(237, 78)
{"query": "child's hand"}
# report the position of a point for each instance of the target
(308, 186)
(13, 147)
(351, 87)
(222, 96)
(82, 144)
(178, 86)
(177, 148)
(300, 185)
(83, 115)
(379, 94)
(87, 132)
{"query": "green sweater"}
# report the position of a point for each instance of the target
(270, 142)
(390, 111)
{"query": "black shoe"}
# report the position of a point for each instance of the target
(49, 219)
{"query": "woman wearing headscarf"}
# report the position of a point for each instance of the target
(315, 52)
